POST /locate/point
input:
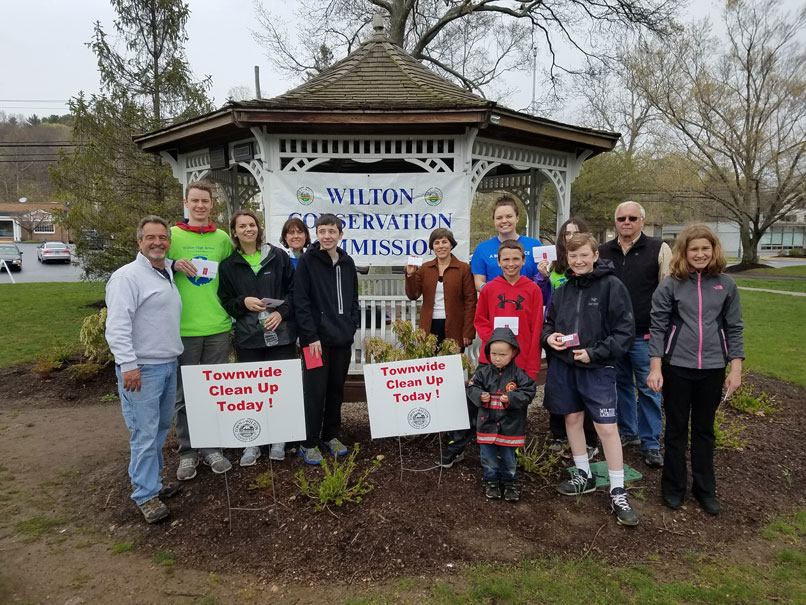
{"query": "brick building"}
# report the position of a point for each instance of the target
(24, 221)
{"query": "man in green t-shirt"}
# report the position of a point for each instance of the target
(205, 325)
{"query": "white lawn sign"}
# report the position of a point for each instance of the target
(240, 404)
(416, 396)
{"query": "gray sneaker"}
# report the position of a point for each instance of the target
(557, 446)
(630, 440)
(277, 451)
(217, 463)
(153, 510)
(593, 451)
(187, 468)
(336, 447)
(310, 455)
(250, 455)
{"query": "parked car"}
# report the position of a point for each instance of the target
(12, 257)
(52, 252)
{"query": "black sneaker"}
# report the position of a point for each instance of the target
(449, 458)
(673, 501)
(710, 504)
(577, 485)
(511, 492)
(630, 440)
(619, 504)
(169, 490)
(492, 490)
(653, 458)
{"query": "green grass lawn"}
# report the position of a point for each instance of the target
(796, 271)
(774, 334)
(787, 285)
(39, 317)
(697, 578)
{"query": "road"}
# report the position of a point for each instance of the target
(34, 271)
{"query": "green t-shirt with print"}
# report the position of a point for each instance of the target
(202, 313)
(253, 260)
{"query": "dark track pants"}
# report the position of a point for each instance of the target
(694, 393)
(323, 390)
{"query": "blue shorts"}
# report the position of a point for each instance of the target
(571, 389)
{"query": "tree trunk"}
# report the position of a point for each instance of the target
(750, 240)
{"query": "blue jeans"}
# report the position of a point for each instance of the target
(498, 462)
(644, 419)
(148, 413)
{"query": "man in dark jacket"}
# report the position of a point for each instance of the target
(326, 311)
(641, 262)
(502, 391)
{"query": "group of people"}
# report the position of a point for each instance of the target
(174, 306)
(628, 315)
(624, 321)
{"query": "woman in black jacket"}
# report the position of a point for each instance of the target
(256, 271)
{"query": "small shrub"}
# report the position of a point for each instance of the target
(535, 458)
(262, 481)
(336, 487)
(61, 351)
(45, 366)
(728, 434)
(743, 400)
(93, 338)
(84, 372)
(412, 344)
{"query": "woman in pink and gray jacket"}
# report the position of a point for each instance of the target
(695, 332)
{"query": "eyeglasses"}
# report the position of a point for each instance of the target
(632, 219)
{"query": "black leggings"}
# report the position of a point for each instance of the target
(694, 393)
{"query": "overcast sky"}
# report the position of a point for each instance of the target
(46, 61)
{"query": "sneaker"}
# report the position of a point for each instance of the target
(187, 468)
(710, 504)
(277, 451)
(154, 510)
(449, 458)
(250, 455)
(336, 447)
(492, 490)
(630, 440)
(556, 446)
(511, 492)
(577, 485)
(653, 458)
(169, 490)
(217, 463)
(310, 455)
(619, 504)
(672, 501)
(593, 451)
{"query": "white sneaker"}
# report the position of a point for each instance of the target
(277, 451)
(250, 455)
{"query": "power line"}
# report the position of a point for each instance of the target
(26, 161)
(27, 154)
(33, 101)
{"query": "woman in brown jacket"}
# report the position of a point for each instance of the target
(449, 295)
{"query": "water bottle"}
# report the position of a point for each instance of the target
(269, 336)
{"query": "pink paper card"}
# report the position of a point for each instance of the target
(311, 362)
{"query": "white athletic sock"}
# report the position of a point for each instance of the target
(616, 479)
(582, 464)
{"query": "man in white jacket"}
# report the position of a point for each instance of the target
(142, 329)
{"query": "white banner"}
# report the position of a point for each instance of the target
(416, 396)
(240, 404)
(387, 217)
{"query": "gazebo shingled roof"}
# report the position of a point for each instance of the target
(378, 75)
(377, 88)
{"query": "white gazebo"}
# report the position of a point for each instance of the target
(379, 111)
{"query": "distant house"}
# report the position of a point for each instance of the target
(21, 221)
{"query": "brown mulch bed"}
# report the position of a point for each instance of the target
(422, 522)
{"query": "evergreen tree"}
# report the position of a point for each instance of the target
(107, 184)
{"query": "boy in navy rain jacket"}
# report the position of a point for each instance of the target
(502, 391)
(593, 309)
